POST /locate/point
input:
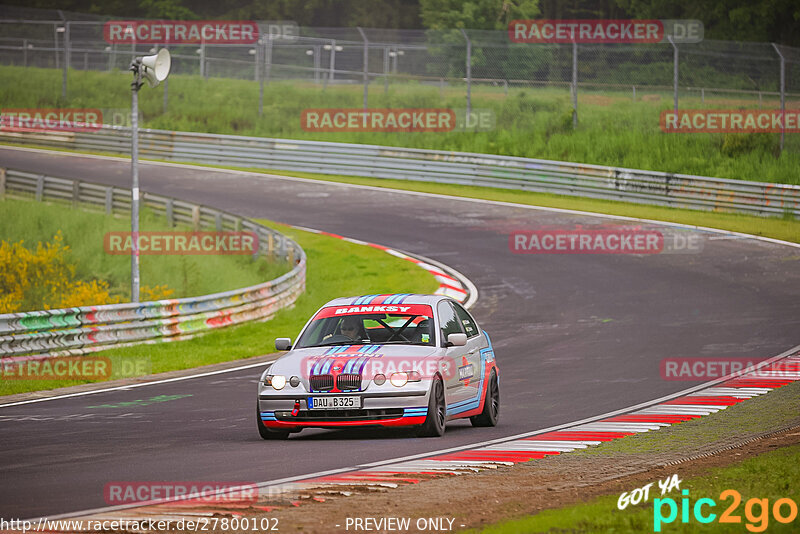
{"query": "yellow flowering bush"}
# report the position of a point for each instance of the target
(43, 279)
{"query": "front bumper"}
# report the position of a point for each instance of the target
(406, 406)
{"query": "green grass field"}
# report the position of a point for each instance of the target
(613, 129)
(83, 232)
(770, 476)
(336, 268)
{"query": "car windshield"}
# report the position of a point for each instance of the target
(361, 325)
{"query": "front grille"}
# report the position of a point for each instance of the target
(321, 382)
(339, 415)
(346, 382)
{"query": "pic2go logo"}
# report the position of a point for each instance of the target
(756, 511)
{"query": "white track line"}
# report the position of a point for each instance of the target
(141, 384)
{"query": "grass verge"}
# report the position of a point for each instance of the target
(530, 122)
(772, 475)
(336, 268)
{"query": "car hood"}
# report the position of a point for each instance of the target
(317, 360)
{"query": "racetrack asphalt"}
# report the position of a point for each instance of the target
(575, 335)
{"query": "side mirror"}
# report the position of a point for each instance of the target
(456, 340)
(283, 343)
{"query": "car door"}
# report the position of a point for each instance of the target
(454, 358)
(471, 371)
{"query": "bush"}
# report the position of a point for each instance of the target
(44, 279)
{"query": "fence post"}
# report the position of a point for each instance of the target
(66, 61)
(268, 59)
(783, 94)
(674, 73)
(203, 59)
(469, 72)
(257, 64)
(574, 84)
(333, 60)
(366, 64)
(55, 44)
(385, 69)
(634, 92)
(166, 92)
(317, 63)
(261, 52)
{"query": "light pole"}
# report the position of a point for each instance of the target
(154, 69)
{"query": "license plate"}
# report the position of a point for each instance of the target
(334, 403)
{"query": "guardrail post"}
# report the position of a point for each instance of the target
(218, 221)
(237, 224)
(76, 192)
(24, 52)
(2, 183)
(169, 209)
(39, 187)
(196, 218)
(109, 200)
(270, 244)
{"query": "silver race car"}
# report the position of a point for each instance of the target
(381, 360)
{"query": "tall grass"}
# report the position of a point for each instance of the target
(613, 129)
(83, 233)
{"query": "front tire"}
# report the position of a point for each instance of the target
(491, 405)
(434, 424)
(265, 432)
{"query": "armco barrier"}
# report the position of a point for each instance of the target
(594, 181)
(90, 328)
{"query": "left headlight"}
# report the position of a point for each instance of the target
(276, 381)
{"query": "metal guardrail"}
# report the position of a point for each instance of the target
(505, 172)
(91, 328)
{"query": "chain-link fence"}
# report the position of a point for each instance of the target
(758, 74)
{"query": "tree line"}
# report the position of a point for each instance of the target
(741, 20)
